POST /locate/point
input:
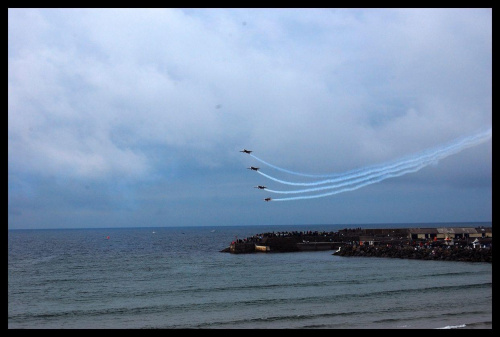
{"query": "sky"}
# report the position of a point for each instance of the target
(135, 117)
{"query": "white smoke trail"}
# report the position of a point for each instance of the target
(356, 181)
(429, 156)
(374, 174)
(383, 177)
(460, 143)
(293, 172)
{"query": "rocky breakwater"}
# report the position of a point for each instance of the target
(450, 253)
(286, 241)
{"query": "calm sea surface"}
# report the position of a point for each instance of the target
(162, 278)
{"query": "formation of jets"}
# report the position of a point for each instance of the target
(260, 187)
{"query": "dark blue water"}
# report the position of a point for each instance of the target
(178, 278)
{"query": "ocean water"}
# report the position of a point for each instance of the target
(174, 278)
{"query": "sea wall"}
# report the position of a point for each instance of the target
(241, 247)
(314, 246)
(449, 253)
(447, 244)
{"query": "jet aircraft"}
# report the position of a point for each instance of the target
(253, 168)
(246, 151)
(260, 187)
(268, 199)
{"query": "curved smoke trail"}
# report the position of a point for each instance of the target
(351, 188)
(293, 172)
(374, 174)
(348, 182)
(429, 156)
(461, 143)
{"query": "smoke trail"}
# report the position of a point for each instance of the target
(356, 181)
(462, 143)
(374, 174)
(354, 187)
(429, 156)
(293, 172)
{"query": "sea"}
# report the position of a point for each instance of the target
(178, 278)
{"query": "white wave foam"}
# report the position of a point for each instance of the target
(453, 326)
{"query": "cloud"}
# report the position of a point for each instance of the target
(153, 94)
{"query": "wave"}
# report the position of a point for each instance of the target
(453, 326)
(284, 318)
(257, 302)
(292, 285)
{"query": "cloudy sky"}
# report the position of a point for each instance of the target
(129, 117)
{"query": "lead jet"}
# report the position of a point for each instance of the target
(260, 187)
(246, 151)
(253, 168)
(268, 199)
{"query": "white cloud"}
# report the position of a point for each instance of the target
(92, 91)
